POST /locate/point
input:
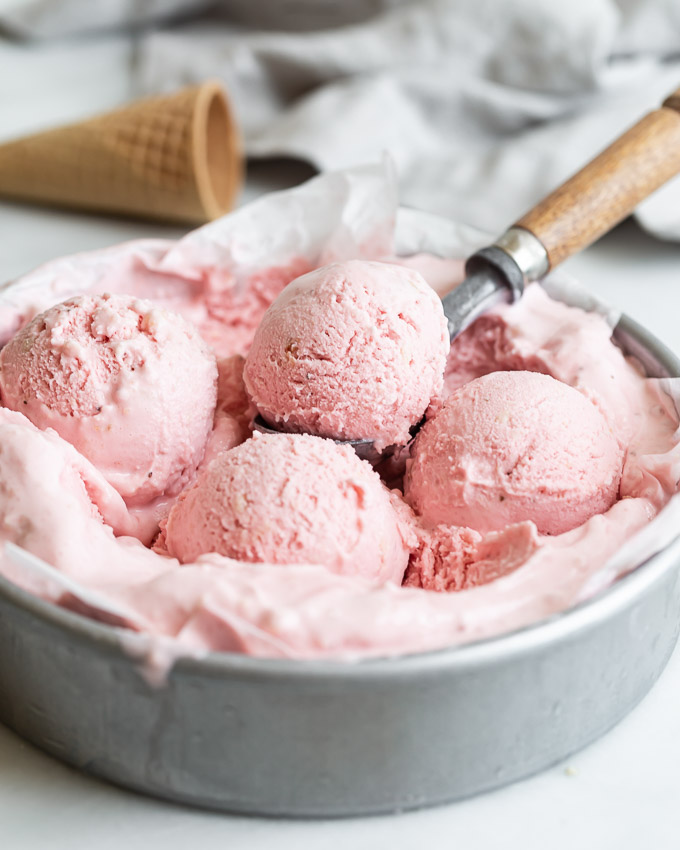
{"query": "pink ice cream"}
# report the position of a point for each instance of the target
(514, 446)
(292, 499)
(345, 538)
(452, 558)
(61, 509)
(497, 581)
(233, 414)
(353, 350)
(130, 385)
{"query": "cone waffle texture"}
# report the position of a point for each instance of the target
(174, 157)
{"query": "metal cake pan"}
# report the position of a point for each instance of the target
(328, 738)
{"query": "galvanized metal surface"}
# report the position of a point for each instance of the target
(323, 738)
(481, 290)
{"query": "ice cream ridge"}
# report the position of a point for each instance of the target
(525, 454)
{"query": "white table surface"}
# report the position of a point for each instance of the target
(622, 792)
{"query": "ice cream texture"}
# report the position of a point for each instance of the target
(514, 446)
(131, 386)
(351, 351)
(461, 584)
(292, 499)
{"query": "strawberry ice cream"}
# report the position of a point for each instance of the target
(233, 413)
(514, 446)
(130, 385)
(288, 545)
(291, 499)
(452, 558)
(353, 350)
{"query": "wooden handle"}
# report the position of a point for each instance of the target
(606, 190)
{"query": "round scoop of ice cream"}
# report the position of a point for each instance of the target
(514, 446)
(353, 350)
(130, 385)
(291, 499)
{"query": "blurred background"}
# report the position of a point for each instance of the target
(484, 105)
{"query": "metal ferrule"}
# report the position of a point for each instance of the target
(527, 251)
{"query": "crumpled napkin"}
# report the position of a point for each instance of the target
(484, 105)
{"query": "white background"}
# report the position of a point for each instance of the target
(622, 792)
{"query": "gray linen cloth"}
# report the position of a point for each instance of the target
(484, 105)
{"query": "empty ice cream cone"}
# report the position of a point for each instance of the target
(174, 157)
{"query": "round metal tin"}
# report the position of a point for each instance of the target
(330, 738)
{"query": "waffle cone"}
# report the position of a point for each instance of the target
(175, 157)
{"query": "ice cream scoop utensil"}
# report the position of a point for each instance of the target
(364, 448)
(568, 220)
(572, 217)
